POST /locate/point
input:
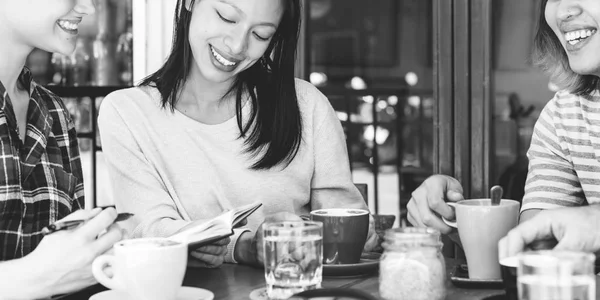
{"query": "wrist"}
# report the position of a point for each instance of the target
(244, 252)
(20, 283)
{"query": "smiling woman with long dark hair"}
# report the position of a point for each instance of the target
(224, 123)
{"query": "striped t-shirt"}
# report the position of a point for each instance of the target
(564, 156)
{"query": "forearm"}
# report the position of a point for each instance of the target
(17, 281)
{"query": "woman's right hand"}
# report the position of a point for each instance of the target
(428, 202)
(249, 248)
(62, 261)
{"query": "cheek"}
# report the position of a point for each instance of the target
(550, 17)
(257, 50)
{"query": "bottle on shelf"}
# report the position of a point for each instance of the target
(60, 69)
(80, 65)
(104, 67)
(125, 51)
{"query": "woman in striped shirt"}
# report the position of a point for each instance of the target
(562, 193)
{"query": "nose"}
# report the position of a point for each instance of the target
(568, 9)
(85, 7)
(236, 40)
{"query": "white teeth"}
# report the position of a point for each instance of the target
(573, 37)
(221, 59)
(68, 25)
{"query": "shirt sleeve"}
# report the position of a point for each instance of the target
(136, 185)
(551, 179)
(332, 184)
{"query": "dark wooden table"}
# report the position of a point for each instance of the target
(237, 282)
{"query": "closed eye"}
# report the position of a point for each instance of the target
(224, 19)
(261, 38)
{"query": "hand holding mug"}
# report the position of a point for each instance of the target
(429, 201)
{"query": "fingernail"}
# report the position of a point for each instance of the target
(454, 194)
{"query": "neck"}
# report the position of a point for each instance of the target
(203, 93)
(13, 54)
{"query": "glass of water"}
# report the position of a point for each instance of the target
(293, 257)
(556, 275)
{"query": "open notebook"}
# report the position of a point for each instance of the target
(216, 228)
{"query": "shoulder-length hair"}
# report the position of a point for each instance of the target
(549, 54)
(273, 130)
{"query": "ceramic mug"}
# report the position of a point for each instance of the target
(344, 233)
(144, 269)
(480, 227)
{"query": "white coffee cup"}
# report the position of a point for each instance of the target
(146, 268)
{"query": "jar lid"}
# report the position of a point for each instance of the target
(412, 237)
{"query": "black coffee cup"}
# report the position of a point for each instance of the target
(508, 268)
(344, 234)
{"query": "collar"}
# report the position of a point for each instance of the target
(39, 120)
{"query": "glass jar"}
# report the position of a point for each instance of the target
(412, 266)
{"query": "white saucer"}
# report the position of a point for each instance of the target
(259, 294)
(185, 293)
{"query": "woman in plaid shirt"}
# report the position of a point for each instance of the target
(40, 170)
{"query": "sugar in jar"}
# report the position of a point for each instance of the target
(412, 266)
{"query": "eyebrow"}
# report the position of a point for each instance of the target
(242, 13)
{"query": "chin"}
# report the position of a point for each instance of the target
(217, 76)
(63, 47)
(584, 66)
(585, 70)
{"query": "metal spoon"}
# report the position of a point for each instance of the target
(496, 194)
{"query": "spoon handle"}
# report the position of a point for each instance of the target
(496, 194)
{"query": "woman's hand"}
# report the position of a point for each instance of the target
(210, 256)
(571, 228)
(372, 237)
(428, 202)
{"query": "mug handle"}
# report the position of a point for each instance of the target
(98, 266)
(450, 223)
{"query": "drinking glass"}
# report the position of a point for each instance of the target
(293, 257)
(556, 275)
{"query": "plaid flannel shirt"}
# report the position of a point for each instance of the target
(41, 180)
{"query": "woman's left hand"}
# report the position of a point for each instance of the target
(372, 237)
(209, 256)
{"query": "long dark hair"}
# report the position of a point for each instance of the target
(549, 54)
(274, 130)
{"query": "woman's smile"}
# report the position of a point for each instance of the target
(223, 59)
(70, 26)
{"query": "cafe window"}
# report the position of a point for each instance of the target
(521, 91)
(373, 60)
